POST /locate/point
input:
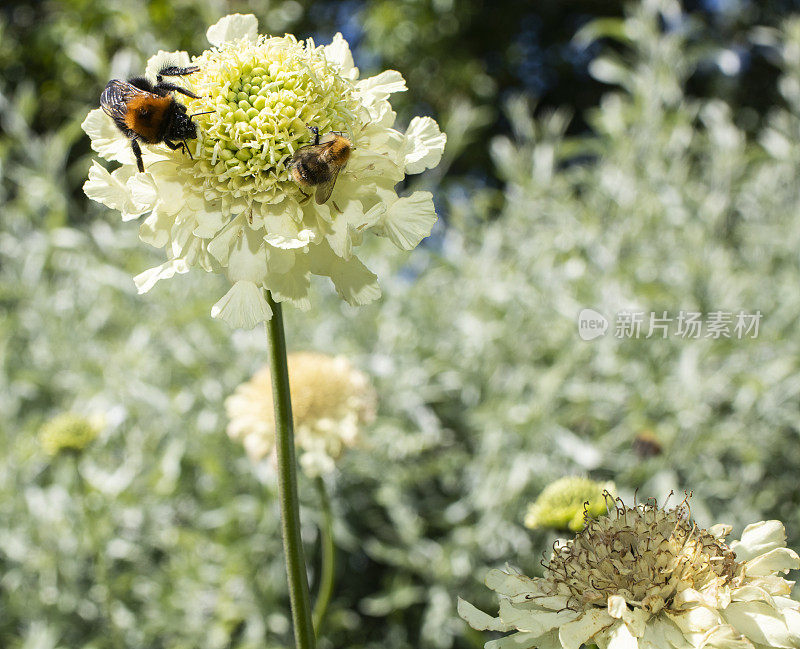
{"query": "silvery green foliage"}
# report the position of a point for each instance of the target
(486, 391)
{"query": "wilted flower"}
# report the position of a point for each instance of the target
(650, 577)
(331, 401)
(68, 432)
(565, 503)
(232, 207)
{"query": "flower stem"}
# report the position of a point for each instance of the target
(287, 482)
(328, 558)
(97, 551)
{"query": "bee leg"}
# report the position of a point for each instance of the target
(315, 131)
(175, 71)
(166, 87)
(338, 209)
(137, 151)
(305, 197)
(182, 146)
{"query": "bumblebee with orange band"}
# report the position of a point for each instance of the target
(318, 164)
(149, 113)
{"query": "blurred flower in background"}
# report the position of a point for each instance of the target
(69, 431)
(651, 576)
(232, 207)
(331, 402)
(566, 503)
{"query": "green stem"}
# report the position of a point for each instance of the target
(328, 558)
(100, 565)
(287, 481)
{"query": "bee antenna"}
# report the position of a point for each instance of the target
(206, 112)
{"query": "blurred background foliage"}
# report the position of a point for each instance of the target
(616, 157)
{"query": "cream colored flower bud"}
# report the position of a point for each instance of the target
(565, 503)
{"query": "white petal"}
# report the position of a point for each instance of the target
(247, 259)
(106, 138)
(661, 632)
(791, 616)
(575, 633)
(759, 538)
(301, 240)
(424, 145)
(720, 530)
(617, 606)
(725, 637)
(164, 59)
(281, 261)
(338, 52)
(243, 306)
(147, 280)
(379, 87)
(143, 191)
(155, 229)
(619, 637)
(111, 190)
(232, 28)
(696, 620)
(777, 560)
(338, 236)
(770, 585)
(520, 640)
(409, 220)
(761, 623)
(479, 620)
(511, 585)
(354, 282)
(170, 186)
(538, 621)
(290, 287)
(209, 223)
(220, 246)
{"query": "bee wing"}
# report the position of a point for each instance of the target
(324, 190)
(115, 98)
(309, 150)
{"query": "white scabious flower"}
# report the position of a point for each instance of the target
(233, 208)
(331, 402)
(650, 578)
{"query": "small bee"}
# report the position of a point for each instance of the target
(318, 164)
(147, 112)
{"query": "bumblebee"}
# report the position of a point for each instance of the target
(149, 113)
(318, 164)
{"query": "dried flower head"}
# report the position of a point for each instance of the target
(68, 432)
(649, 577)
(233, 207)
(566, 503)
(331, 402)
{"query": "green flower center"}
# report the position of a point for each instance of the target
(264, 95)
